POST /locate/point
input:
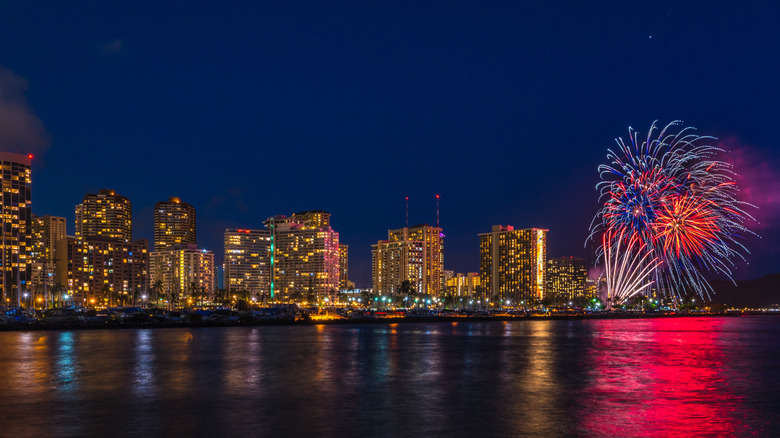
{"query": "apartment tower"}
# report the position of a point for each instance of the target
(513, 264)
(105, 216)
(16, 230)
(248, 261)
(174, 224)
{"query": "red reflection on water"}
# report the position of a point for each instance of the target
(658, 377)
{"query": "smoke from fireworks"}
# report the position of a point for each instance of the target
(670, 214)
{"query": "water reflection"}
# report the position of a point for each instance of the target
(65, 365)
(665, 377)
(537, 385)
(144, 378)
(658, 378)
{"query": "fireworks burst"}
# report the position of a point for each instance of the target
(670, 213)
(628, 265)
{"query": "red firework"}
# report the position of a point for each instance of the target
(687, 225)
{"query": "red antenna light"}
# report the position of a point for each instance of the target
(30, 156)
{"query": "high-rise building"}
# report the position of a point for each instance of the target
(248, 261)
(174, 224)
(219, 277)
(432, 281)
(16, 231)
(105, 216)
(343, 266)
(311, 218)
(102, 265)
(463, 285)
(566, 278)
(101, 272)
(512, 264)
(182, 267)
(46, 231)
(393, 262)
(304, 255)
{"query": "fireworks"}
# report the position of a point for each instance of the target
(628, 265)
(670, 214)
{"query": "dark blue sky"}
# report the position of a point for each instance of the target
(247, 110)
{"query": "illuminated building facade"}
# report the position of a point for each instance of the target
(46, 231)
(566, 279)
(219, 277)
(344, 283)
(174, 224)
(247, 261)
(304, 255)
(463, 285)
(513, 264)
(17, 233)
(91, 270)
(182, 267)
(393, 262)
(432, 282)
(105, 216)
(592, 288)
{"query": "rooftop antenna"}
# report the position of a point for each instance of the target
(437, 210)
(407, 212)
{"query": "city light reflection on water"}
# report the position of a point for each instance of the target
(652, 377)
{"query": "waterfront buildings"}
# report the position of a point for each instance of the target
(393, 262)
(106, 216)
(462, 285)
(566, 279)
(219, 277)
(102, 265)
(413, 253)
(512, 264)
(344, 282)
(304, 256)
(185, 271)
(101, 272)
(16, 240)
(46, 231)
(247, 261)
(174, 224)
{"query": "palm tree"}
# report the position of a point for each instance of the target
(106, 291)
(366, 297)
(194, 290)
(57, 291)
(219, 295)
(136, 294)
(174, 296)
(157, 290)
(407, 289)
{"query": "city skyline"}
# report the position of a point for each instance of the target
(350, 109)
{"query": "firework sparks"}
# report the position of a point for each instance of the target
(670, 213)
(629, 265)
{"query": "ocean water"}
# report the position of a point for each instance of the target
(646, 377)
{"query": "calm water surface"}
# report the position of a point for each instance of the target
(654, 377)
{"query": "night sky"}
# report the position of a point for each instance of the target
(505, 109)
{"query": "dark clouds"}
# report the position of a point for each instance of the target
(20, 128)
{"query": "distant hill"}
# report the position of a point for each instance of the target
(760, 292)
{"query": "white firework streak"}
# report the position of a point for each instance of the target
(648, 174)
(628, 269)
